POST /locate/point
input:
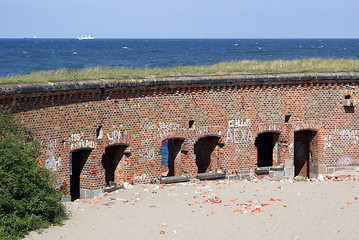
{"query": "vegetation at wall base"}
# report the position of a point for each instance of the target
(235, 67)
(28, 200)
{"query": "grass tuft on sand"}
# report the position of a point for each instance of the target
(235, 67)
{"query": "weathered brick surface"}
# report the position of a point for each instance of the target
(141, 115)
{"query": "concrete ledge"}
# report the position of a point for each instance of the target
(288, 173)
(241, 176)
(66, 198)
(86, 193)
(109, 189)
(273, 78)
(175, 179)
(261, 170)
(274, 168)
(344, 170)
(276, 174)
(210, 176)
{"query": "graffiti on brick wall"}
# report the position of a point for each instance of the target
(328, 141)
(116, 136)
(147, 133)
(141, 178)
(209, 130)
(239, 135)
(351, 136)
(78, 141)
(146, 155)
(165, 129)
(51, 163)
(239, 123)
(239, 131)
(147, 137)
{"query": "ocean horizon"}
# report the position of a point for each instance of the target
(25, 55)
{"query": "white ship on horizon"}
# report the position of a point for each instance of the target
(85, 37)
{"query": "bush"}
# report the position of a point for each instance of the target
(28, 200)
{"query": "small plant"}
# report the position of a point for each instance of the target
(28, 200)
(300, 179)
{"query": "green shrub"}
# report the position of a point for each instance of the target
(28, 200)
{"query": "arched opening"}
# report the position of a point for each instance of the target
(267, 150)
(203, 149)
(304, 149)
(110, 160)
(169, 151)
(77, 162)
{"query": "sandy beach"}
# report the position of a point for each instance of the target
(225, 209)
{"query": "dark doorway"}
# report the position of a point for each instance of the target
(203, 150)
(77, 162)
(303, 152)
(169, 151)
(265, 143)
(110, 160)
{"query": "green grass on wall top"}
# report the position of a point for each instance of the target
(235, 67)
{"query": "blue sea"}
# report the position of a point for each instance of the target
(21, 56)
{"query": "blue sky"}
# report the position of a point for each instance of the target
(180, 18)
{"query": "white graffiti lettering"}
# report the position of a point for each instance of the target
(328, 140)
(165, 129)
(83, 144)
(115, 137)
(341, 134)
(78, 141)
(345, 134)
(239, 123)
(76, 137)
(237, 136)
(142, 177)
(51, 163)
(147, 133)
(146, 154)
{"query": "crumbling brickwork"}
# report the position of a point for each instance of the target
(222, 113)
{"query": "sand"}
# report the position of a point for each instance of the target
(216, 210)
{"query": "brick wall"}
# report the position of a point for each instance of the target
(140, 115)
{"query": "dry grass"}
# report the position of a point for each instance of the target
(235, 67)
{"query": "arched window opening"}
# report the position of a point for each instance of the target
(77, 162)
(110, 161)
(267, 149)
(304, 150)
(169, 152)
(204, 149)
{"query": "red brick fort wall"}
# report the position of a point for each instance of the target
(140, 115)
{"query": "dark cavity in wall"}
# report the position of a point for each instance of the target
(77, 162)
(110, 160)
(303, 152)
(348, 104)
(169, 151)
(203, 149)
(287, 118)
(349, 109)
(99, 133)
(265, 143)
